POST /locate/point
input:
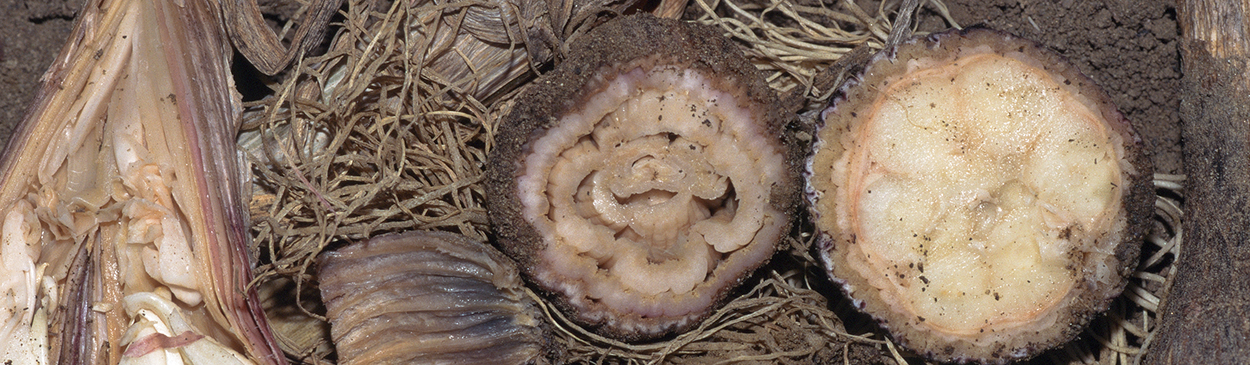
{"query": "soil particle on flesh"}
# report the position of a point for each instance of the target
(1128, 47)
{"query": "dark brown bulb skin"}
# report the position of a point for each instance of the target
(429, 297)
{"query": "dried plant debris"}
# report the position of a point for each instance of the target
(793, 41)
(374, 137)
(389, 130)
(124, 234)
(429, 297)
(779, 321)
(978, 195)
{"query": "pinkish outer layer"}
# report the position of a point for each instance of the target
(618, 47)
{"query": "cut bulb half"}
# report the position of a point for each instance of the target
(645, 177)
(978, 195)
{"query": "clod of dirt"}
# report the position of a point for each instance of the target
(644, 178)
(978, 195)
(432, 297)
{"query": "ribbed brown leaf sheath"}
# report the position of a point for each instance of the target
(429, 297)
(124, 182)
(1206, 316)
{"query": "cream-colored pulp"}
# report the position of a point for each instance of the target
(643, 191)
(971, 183)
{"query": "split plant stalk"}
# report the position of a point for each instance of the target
(123, 235)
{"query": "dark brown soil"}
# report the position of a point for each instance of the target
(1127, 46)
(31, 34)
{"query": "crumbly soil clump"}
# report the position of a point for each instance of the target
(669, 211)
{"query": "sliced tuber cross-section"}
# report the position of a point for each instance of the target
(978, 195)
(644, 178)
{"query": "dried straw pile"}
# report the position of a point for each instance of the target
(389, 131)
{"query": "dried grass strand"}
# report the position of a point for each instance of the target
(370, 138)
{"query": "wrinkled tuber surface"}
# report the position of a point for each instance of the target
(644, 177)
(978, 195)
(429, 297)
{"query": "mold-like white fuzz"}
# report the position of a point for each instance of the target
(646, 189)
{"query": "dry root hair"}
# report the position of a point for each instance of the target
(369, 138)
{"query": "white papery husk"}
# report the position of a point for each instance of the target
(121, 199)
